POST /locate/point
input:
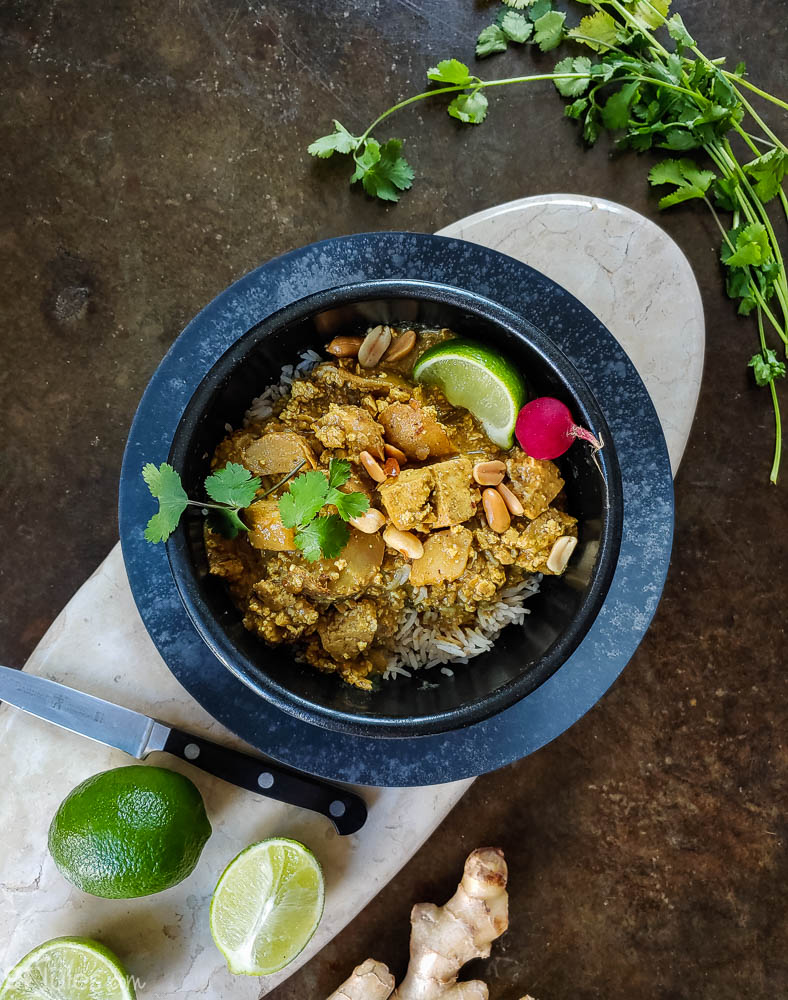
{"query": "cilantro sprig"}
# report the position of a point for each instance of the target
(646, 82)
(232, 488)
(326, 535)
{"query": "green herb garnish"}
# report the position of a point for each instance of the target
(650, 85)
(326, 535)
(233, 488)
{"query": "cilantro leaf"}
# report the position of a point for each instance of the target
(233, 485)
(549, 30)
(340, 141)
(678, 31)
(304, 498)
(724, 189)
(765, 367)
(649, 13)
(469, 108)
(226, 522)
(516, 27)
(689, 179)
(752, 246)
(573, 88)
(450, 71)
(518, 4)
(768, 172)
(325, 536)
(165, 485)
(338, 473)
(348, 504)
(382, 170)
(539, 8)
(491, 39)
(615, 113)
(600, 27)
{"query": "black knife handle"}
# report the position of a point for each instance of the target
(346, 810)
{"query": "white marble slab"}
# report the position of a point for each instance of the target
(610, 258)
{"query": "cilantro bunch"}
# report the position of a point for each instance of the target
(646, 82)
(321, 535)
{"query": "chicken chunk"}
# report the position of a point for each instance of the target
(406, 498)
(536, 541)
(534, 482)
(414, 430)
(452, 498)
(445, 557)
(435, 496)
(349, 631)
(277, 453)
(266, 530)
(349, 430)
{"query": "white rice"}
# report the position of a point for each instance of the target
(262, 406)
(423, 642)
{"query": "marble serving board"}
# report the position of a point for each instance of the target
(603, 253)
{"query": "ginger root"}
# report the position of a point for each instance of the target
(443, 939)
(369, 981)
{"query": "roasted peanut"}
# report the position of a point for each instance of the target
(394, 452)
(374, 346)
(344, 347)
(511, 501)
(495, 511)
(403, 345)
(372, 466)
(391, 468)
(560, 553)
(404, 542)
(369, 522)
(489, 473)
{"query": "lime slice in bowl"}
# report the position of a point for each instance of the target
(68, 968)
(478, 378)
(266, 906)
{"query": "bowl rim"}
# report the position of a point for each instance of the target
(360, 723)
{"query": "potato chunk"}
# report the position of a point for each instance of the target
(350, 573)
(415, 431)
(276, 453)
(266, 530)
(436, 496)
(445, 557)
(452, 497)
(406, 498)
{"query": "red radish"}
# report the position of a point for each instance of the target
(545, 428)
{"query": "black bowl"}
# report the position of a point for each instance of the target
(524, 656)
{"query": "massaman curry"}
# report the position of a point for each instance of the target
(454, 524)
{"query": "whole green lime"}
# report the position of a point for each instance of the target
(129, 832)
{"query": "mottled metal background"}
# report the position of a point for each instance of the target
(151, 153)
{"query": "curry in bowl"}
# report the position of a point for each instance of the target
(453, 531)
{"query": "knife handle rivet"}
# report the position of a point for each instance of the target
(265, 780)
(337, 809)
(191, 751)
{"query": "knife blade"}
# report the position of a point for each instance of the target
(139, 735)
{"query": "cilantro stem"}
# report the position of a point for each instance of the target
(477, 84)
(778, 432)
(281, 482)
(741, 82)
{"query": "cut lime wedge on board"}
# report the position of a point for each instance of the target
(478, 378)
(68, 968)
(266, 906)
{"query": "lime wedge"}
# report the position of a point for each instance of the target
(266, 906)
(478, 378)
(68, 968)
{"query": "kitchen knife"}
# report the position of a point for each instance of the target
(139, 735)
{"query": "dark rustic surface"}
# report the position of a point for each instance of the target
(150, 154)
